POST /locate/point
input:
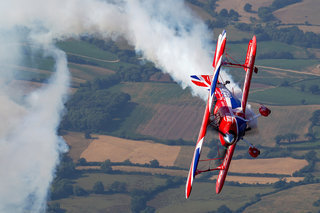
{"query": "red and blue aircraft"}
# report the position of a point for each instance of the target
(224, 112)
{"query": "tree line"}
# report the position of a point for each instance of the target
(96, 109)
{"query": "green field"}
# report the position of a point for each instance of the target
(284, 96)
(289, 114)
(154, 93)
(83, 48)
(143, 182)
(96, 203)
(296, 199)
(204, 199)
(295, 64)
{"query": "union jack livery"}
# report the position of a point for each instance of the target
(224, 112)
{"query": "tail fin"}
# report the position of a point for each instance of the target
(249, 67)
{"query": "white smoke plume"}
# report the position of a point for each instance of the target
(29, 146)
(165, 32)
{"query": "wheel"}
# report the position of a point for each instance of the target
(254, 152)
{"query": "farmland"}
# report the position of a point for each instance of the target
(288, 201)
(118, 150)
(160, 105)
(163, 123)
(290, 14)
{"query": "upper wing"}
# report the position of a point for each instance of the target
(196, 155)
(217, 62)
(249, 66)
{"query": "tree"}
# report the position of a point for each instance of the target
(316, 203)
(87, 134)
(66, 169)
(106, 166)
(224, 209)
(315, 119)
(280, 184)
(277, 4)
(247, 7)
(138, 201)
(314, 89)
(98, 188)
(154, 163)
(82, 162)
(79, 191)
(265, 14)
(285, 83)
(92, 109)
(118, 187)
(55, 208)
(309, 178)
(291, 136)
(61, 188)
(310, 136)
(224, 13)
(234, 15)
(311, 156)
(278, 138)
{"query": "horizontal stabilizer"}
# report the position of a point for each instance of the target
(202, 80)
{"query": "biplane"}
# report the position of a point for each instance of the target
(225, 112)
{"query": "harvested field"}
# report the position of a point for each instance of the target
(88, 72)
(282, 120)
(305, 28)
(77, 142)
(161, 171)
(118, 150)
(258, 180)
(255, 87)
(285, 166)
(96, 203)
(299, 13)
(238, 5)
(25, 86)
(199, 11)
(297, 199)
(174, 122)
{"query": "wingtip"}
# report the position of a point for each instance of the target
(188, 191)
(254, 38)
(218, 190)
(224, 32)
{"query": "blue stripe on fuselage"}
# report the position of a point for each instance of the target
(242, 125)
(235, 103)
(215, 80)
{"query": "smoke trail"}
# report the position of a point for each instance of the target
(29, 145)
(165, 32)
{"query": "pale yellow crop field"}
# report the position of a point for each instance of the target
(119, 149)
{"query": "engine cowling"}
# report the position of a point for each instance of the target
(264, 111)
